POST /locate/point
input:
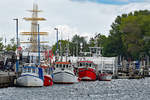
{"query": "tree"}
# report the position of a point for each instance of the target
(11, 46)
(76, 41)
(1, 44)
(127, 36)
(63, 44)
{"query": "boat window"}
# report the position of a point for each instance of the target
(80, 64)
(69, 66)
(33, 70)
(64, 66)
(86, 64)
(36, 71)
(46, 70)
(29, 70)
(90, 65)
(56, 65)
(60, 65)
(24, 70)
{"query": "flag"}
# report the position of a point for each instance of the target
(50, 54)
(46, 55)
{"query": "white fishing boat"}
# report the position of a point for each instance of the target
(105, 77)
(64, 73)
(30, 76)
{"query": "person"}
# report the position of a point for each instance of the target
(9, 66)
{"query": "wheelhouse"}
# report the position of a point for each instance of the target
(30, 68)
(63, 65)
(89, 64)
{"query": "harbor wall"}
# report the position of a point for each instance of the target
(7, 79)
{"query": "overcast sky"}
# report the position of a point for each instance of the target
(82, 17)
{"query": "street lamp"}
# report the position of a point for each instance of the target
(16, 31)
(56, 38)
(17, 61)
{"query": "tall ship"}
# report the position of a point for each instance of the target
(34, 33)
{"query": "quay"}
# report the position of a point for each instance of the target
(7, 79)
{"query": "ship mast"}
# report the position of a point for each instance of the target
(34, 29)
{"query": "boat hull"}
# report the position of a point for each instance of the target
(105, 77)
(29, 81)
(48, 81)
(87, 74)
(63, 77)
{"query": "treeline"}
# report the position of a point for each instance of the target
(129, 37)
(8, 47)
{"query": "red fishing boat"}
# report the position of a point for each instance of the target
(86, 70)
(48, 80)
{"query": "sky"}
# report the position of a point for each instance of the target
(83, 17)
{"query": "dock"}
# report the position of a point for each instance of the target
(7, 79)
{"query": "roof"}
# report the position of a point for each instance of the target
(85, 61)
(44, 66)
(62, 63)
(33, 67)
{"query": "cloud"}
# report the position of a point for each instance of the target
(112, 2)
(70, 17)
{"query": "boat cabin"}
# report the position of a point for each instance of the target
(63, 65)
(32, 69)
(88, 64)
(29, 68)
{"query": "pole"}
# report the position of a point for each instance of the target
(60, 51)
(56, 38)
(77, 49)
(39, 43)
(17, 61)
(17, 31)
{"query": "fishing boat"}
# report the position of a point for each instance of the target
(104, 74)
(64, 73)
(86, 70)
(31, 76)
(48, 71)
(105, 77)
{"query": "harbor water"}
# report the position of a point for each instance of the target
(117, 89)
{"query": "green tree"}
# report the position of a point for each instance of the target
(11, 46)
(127, 36)
(62, 45)
(76, 41)
(1, 44)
